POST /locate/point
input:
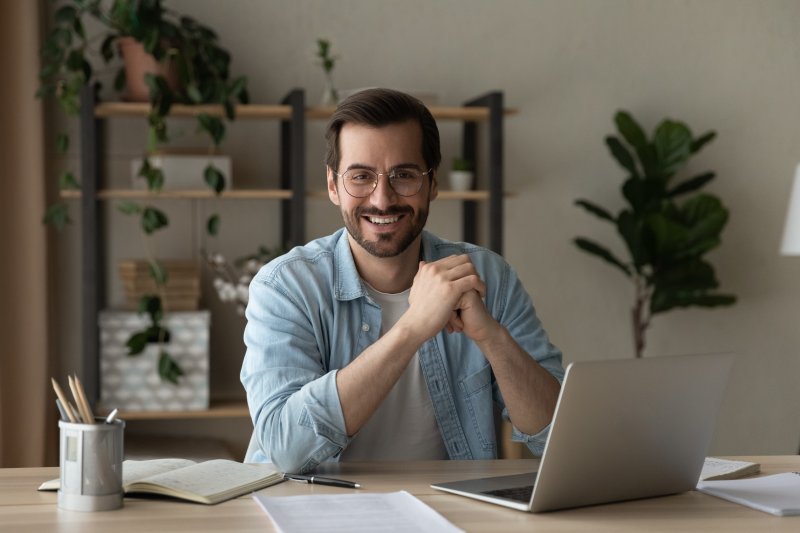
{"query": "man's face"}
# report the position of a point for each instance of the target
(384, 223)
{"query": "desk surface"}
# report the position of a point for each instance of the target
(22, 508)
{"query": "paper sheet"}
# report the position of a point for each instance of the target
(352, 513)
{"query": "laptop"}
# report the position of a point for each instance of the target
(622, 430)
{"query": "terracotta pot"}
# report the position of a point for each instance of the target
(137, 64)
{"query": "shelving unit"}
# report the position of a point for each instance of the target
(292, 115)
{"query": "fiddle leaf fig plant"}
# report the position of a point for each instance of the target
(667, 226)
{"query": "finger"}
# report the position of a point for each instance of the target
(456, 322)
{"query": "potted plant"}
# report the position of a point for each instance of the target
(461, 175)
(666, 227)
(330, 96)
(186, 65)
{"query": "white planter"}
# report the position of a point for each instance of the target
(461, 180)
(132, 383)
(183, 171)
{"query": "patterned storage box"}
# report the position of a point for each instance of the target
(131, 383)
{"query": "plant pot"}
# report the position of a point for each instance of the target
(137, 64)
(461, 180)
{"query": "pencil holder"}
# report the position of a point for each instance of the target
(90, 457)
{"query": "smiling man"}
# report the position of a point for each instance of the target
(383, 341)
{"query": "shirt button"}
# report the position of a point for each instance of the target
(365, 327)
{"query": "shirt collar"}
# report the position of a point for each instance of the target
(347, 283)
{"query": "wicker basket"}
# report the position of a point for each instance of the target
(181, 292)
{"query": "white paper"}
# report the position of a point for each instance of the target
(778, 494)
(352, 513)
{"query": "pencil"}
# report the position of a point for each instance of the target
(64, 402)
(84, 401)
(76, 396)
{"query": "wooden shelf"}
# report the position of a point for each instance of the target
(194, 194)
(218, 409)
(243, 194)
(256, 111)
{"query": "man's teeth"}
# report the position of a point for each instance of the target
(383, 220)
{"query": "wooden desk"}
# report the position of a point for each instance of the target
(22, 508)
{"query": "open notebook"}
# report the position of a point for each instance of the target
(208, 482)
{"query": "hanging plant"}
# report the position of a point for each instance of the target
(190, 68)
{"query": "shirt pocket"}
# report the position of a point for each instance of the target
(477, 392)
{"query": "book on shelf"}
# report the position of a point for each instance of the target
(207, 482)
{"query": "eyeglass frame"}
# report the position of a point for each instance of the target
(378, 175)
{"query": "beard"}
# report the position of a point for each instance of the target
(388, 244)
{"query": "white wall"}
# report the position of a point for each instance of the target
(728, 65)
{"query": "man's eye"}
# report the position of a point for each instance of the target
(360, 177)
(403, 175)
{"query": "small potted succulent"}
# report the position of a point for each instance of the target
(461, 175)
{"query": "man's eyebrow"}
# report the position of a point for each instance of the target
(362, 166)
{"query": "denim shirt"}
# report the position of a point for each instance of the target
(309, 315)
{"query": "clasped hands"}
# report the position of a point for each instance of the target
(448, 293)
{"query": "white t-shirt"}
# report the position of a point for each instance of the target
(404, 426)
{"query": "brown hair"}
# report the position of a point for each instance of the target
(381, 107)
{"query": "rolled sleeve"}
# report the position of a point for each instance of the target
(292, 396)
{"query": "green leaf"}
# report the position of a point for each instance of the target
(153, 219)
(153, 175)
(630, 130)
(75, 60)
(194, 93)
(57, 215)
(120, 80)
(66, 14)
(137, 343)
(691, 185)
(643, 194)
(107, 48)
(621, 154)
(595, 249)
(214, 178)
(158, 272)
(62, 143)
(168, 368)
(129, 208)
(701, 141)
(672, 142)
(212, 225)
(67, 181)
(595, 210)
(630, 228)
(151, 304)
(213, 126)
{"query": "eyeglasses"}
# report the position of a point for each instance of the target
(361, 182)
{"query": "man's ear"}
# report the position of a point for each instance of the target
(333, 192)
(434, 186)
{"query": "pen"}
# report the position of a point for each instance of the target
(317, 480)
(112, 416)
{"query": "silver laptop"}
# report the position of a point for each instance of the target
(622, 430)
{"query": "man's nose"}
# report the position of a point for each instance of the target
(383, 196)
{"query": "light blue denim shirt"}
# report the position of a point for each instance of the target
(309, 315)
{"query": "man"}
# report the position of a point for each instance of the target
(383, 341)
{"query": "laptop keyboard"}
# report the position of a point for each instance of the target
(521, 494)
